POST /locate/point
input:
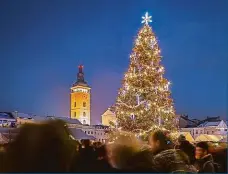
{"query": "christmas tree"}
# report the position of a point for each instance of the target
(144, 101)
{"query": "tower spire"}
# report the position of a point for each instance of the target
(80, 68)
(80, 75)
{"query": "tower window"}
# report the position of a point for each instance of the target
(84, 114)
(84, 122)
(75, 114)
(75, 104)
(84, 104)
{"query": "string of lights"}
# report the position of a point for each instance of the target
(144, 101)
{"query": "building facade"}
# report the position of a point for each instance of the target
(78, 130)
(218, 127)
(80, 99)
(108, 118)
(7, 119)
(184, 121)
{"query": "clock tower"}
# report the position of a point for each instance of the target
(80, 99)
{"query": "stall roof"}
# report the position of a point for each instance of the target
(7, 115)
(206, 137)
(80, 135)
(188, 136)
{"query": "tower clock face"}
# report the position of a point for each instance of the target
(84, 96)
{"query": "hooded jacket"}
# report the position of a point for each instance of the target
(205, 164)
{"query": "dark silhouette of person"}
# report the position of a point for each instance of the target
(39, 148)
(187, 148)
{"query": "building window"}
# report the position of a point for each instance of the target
(91, 132)
(75, 114)
(207, 132)
(88, 132)
(84, 104)
(197, 132)
(84, 122)
(85, 131)
(225, 129)
(84, 114)
(201, 131)
(75, 104)
(212, 132)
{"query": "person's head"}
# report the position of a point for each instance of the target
(86, 143)
(159, 141)
(101, 152)
(122, 149)
(42, 147)
(201, 150)
(181, 138)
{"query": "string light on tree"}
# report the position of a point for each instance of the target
(153, 42)
(147, 94)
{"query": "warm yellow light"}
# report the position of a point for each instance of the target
(145, 78)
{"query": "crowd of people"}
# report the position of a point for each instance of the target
(48, 148)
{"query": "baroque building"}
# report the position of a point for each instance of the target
(80, 99)
(108, 118)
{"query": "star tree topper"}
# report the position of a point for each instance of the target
(146, 18)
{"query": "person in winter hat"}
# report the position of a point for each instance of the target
(159, 141)
(187, 148)
(204, 160)
(171, 161)
(166, 159)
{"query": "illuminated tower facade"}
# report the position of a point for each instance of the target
(80, 99)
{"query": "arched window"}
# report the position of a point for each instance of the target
(75, 104)
(84, 114)
(84, 104)
(84, 122)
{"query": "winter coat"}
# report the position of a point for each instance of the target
(173, 160)
(141, 161)
(85, 160)
(205, 164)
(189, 149)
(103, 165)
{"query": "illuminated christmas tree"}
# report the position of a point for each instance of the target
(144, 101)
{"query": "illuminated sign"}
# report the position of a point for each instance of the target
(80, 90)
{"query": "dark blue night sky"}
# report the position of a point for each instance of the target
(42, 42)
